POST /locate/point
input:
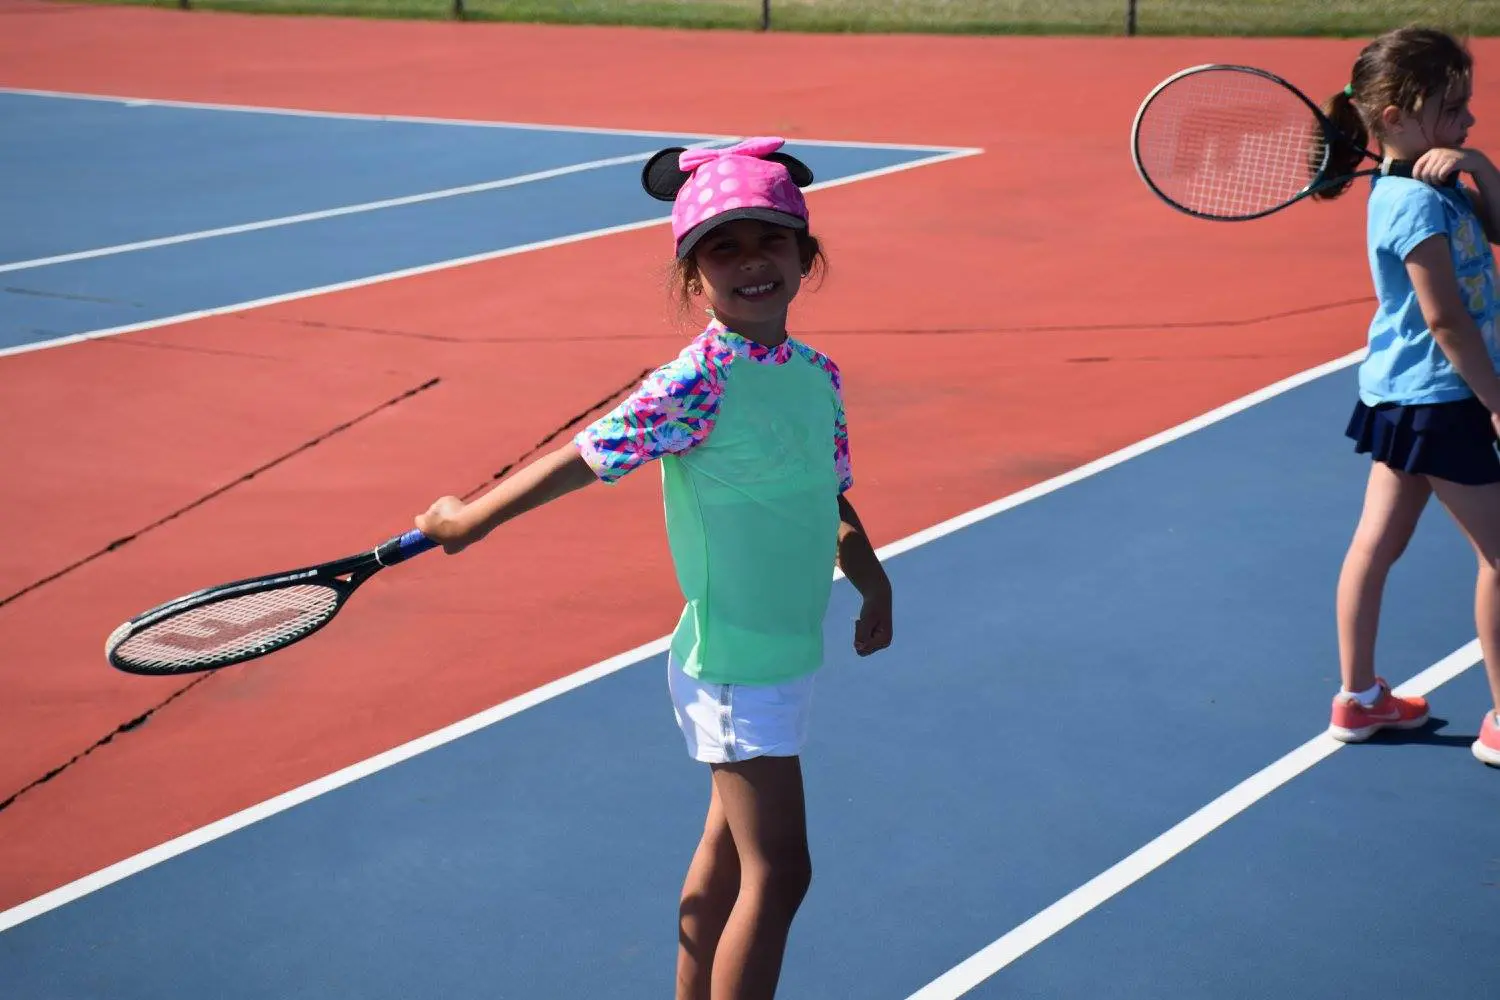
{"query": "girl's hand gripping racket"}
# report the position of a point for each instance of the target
(1234, 142)
(235, 622)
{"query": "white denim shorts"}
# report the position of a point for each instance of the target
(723, 723)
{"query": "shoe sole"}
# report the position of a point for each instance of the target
(1365, 732)
(1486, 754)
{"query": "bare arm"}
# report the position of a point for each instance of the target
(457, 525)
(1431, 268)
(856, 557)
(1486, 198)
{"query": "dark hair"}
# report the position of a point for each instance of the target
(1402, 68)
(685, 269)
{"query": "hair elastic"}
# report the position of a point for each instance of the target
(1348, 90)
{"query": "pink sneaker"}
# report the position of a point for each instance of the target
(1353, 722)
(1487, 747)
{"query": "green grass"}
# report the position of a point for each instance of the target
(1349, 18)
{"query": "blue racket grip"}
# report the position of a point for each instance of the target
(403, 547)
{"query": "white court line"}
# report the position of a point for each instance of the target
(254, 109)
(332, 213)
(254, 814)
(389, 202)
(270, 300)
(1116, 879)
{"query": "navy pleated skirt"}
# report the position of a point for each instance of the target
(1452, 441)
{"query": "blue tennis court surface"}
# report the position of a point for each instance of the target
(96, 179)
(1072, 677)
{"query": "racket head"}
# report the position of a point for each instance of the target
(226, 625)
(239, 621)
(1231, 143)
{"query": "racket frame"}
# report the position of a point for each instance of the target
(1332, 135)
(342, 576)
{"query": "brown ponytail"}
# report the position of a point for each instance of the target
(1343, 158)
(1404, 69)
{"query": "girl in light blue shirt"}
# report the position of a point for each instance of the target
(1428, 390)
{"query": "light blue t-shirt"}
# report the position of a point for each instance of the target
(1405, 364)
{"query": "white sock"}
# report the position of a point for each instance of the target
(1367, 698)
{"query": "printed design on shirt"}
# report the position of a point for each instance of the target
(676, 407)
(842, 465)
(746, 348)
(673, 410)
(1473, 264)
(1475, 288)
(1466, 241)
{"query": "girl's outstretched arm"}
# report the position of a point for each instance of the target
(856, 557)
(456, 525)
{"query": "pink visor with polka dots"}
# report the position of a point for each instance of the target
(710, 187)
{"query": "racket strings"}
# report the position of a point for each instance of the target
(1229, 144)
(226, 630)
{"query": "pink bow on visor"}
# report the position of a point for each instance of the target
(709, 187)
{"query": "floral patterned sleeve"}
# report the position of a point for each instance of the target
(672, 411)
(841, 461)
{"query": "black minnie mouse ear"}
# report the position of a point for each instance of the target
(800, 172)
(661, 177)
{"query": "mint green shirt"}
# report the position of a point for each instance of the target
(754, 454)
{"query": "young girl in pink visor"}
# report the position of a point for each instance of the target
(748, 424)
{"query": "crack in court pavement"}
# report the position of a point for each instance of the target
(141, 719)
(304, 446)
(69, 296)
(123, 727)
(135, 343)
(1103, 327)
(314, 324)
(898, 332)
(553, 435)
(218, 352)
(1095, 359)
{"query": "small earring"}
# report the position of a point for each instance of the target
(694, 288)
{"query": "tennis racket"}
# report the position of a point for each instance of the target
(239, 621)
(1232, 143)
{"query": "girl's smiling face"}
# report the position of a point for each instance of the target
(750, 271)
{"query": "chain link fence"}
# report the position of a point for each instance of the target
(1350, 18)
